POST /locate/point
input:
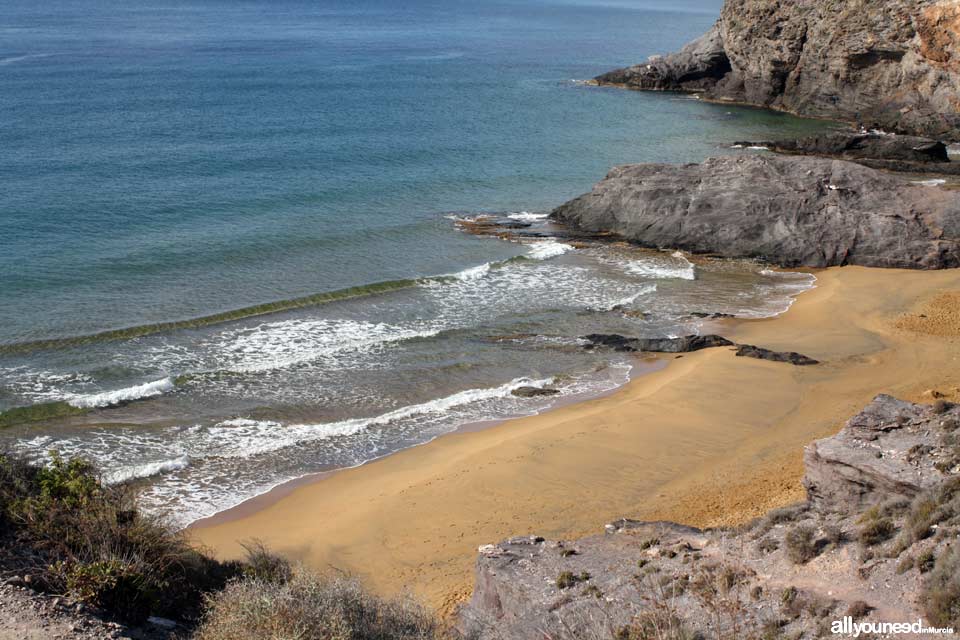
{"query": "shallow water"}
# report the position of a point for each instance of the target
(226, 233)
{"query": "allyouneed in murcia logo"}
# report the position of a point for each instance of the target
(848, 627)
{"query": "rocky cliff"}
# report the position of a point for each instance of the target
(894, 64)
(792, 211)
(876, 541)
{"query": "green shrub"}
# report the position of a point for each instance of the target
(593, 590)
(941, 406)
(940, 593)
(801, 543)
(768, 545)
(936, 505)
(834, 535)
(262, 564)
(568, 579)
(874, 532)
(905, 564)
(649, 542)
(87, 539)
(858, 609)
(308, 606)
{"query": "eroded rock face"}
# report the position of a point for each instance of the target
(795, 570)
(796, 211)
(886, 451)
(879, 151)
(894, 64)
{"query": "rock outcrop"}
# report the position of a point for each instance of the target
(884, 452)
(876, 150)
(892, 64)
(857, 547)
(795, 211)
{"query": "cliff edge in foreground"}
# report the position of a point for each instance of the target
(893, 64)
(876, 541)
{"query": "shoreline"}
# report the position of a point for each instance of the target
(276, 493)
(652, 450)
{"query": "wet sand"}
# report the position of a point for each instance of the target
(709, 439)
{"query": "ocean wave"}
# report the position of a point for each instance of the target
(625, 302)
(127, 394)
(526, 216)
(473, 273)
(281, 345)
(934, 182)
(146, 470)
(546, 249)
(680, 268)
(217, 318)
(246, 438)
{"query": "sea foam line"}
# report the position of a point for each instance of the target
(547, 249)
(257, 437)
(127, 394)
(146, 470)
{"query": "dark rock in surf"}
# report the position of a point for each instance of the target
(684, 344)
(796, 211)
(750, 351)
(533, 392)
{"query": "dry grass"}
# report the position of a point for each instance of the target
(308, 606)
(801, 543)
(941, 591)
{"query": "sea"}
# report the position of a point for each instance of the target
(229, 243)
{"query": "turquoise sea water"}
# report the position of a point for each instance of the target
(173, 161)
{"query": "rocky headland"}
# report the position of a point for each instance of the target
(890, 64)
(876, 540)
(790, 211)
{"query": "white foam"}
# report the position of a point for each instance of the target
(934, 182)
(759, 148)
(280, 345)
(526, 216)
(625, 302)
(5, 61)
(243, 438)
(547, 249)
(110, 398)
(146, 470)
(473, 273)
(680, 268)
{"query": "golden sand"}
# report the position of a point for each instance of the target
(709, 439)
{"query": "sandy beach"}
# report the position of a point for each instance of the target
(709, 439)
